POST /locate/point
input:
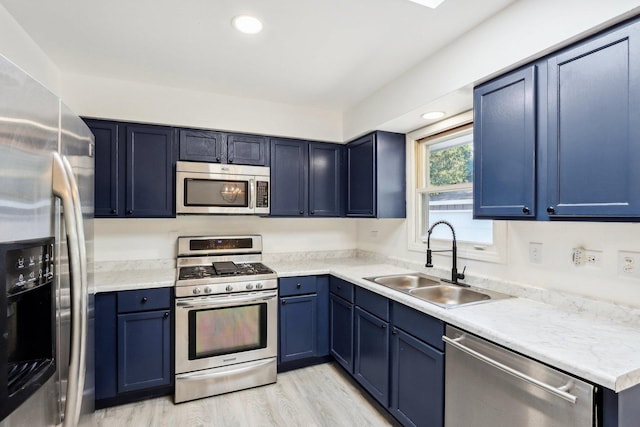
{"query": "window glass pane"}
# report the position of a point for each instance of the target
(451, 160)
(455, 207)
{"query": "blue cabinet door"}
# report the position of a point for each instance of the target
(593, 127)
(417, 381)
(149, 171)
(108, 172)
(201, 145)
(371, 354)
(288, 177)
(361, 178)
(106, 345)
(504, 183)
(144, 350)
(341, 331)
(298, 327)
(247, 150)
(325, 179)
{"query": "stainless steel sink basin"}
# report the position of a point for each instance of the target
(406, 281)
(448, 296)
(433, 290)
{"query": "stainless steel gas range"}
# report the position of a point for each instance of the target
(226, 316)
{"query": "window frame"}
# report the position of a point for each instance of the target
(495, 252)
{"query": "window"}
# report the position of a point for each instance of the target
(444, 191)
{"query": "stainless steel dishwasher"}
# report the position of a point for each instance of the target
(489, 386)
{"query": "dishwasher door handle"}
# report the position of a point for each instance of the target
(557, 391)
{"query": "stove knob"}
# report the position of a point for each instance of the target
(229, 288)
(196, 291)
(207, 290)
(259, 286)
(249, 286)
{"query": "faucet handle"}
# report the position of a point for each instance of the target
(461, 275)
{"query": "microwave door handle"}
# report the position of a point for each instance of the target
(252, 189)
(61, 188)
(82, 294)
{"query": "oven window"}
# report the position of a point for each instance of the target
(217, 193)
(218, 331)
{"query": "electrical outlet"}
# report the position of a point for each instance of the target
(593, 258)
(578, 256)
(535, 253)
(628, 263)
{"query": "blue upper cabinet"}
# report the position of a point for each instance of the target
(247, 150)
(306, 178)
(201, 145)
(134, 166)
(376, 176)
(149, 167)
(108, 172)
(593, 127)
(504, 146)
(325, 179)
(218, 147)
(288, 177)
(578, 161)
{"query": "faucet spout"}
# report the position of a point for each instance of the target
(454, 251)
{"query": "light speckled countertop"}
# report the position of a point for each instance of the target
(603, 351)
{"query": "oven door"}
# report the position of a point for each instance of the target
(220, 330)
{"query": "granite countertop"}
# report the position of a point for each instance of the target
(600, 350)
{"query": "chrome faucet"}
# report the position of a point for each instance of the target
(454, 254)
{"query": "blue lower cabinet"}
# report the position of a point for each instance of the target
(133, 345)
(144, 350)
(341, 331)
(298, 327)
(371, 358)
(417, 381)
(303, 321)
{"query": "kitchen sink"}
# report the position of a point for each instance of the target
(433, 290)
(447, 295)
(406, 281)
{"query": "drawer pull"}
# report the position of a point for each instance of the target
(166, 315)
(144, 300)
(298, 286)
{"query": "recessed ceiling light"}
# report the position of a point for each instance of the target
(432, 115)
(429, 3)
(247, 24)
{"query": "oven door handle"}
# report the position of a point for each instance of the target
(223, 371)
(217, 302)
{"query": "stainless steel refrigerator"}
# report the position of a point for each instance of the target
(46, 192)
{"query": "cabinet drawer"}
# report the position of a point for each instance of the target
(373, 303)
(297, 285)
(144, 300)
(427, 328)
(342, 288)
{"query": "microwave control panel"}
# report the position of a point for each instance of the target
(262, 194)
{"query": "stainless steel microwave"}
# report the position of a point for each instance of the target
(213, 188)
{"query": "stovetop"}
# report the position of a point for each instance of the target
(222, 269)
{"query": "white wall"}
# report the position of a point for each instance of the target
(523, 30)
(19, 48)
(131, 101)
(556, 270)
(151, 239)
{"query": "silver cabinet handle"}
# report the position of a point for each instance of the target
(557, 391)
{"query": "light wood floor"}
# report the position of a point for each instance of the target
(320, 395)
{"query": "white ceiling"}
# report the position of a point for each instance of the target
(315, 53)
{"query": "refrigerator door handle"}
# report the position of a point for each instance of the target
(65, 188)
